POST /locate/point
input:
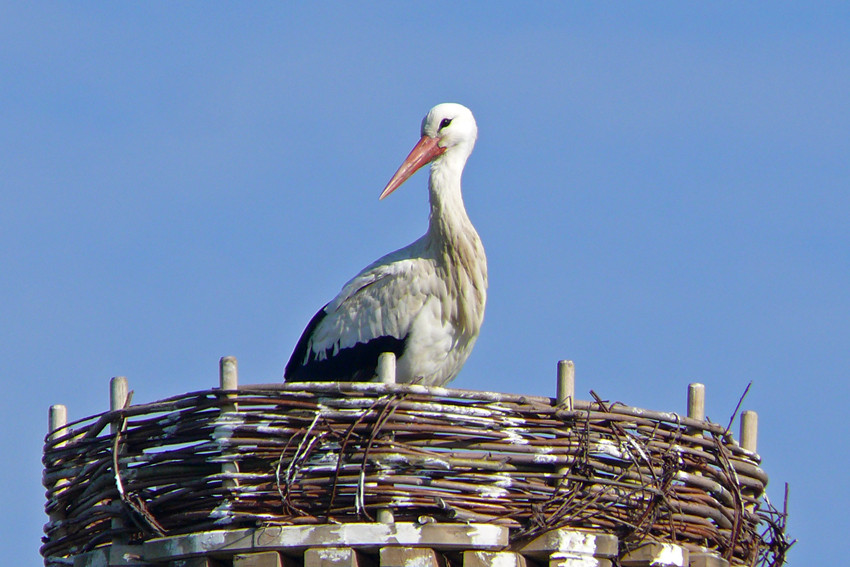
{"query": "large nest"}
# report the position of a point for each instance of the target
(349, 452)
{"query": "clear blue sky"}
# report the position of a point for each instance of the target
(663, 192)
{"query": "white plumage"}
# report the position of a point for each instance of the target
(424, 302)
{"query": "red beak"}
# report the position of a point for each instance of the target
(423, 152)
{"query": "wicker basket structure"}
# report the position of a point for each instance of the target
(327, 453)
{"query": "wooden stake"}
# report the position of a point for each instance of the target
(228, 379)
(386, 368)
(566, 383)
(696, 401)
(228, 373)
(57, 418)
(385, 516)
(749, 430)
(119, 389)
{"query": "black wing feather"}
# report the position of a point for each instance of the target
(356, 363)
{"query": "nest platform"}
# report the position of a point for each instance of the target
(347, 474)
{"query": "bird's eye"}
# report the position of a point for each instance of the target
(445, 122)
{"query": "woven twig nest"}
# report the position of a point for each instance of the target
(351, 452)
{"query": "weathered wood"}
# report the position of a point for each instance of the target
(493, 559)
(749, 430)
(334, 557)
(385, 516)
(569, 559)
(119, 391)
(260, 559)
(654, 554)
(357, 535)
(395, 556)
(566, 383)
(57, 418)
(228, 380)
(587, 544)
(707, 560)
(386, 368)
(696, 401)
(228, 373)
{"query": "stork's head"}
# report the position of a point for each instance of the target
(451, 124)
(447, 128)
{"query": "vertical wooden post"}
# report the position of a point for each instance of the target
(386, 368)
(566, 383)
(386, 372)
(749, 430)
(119, 389)
(228, 378)
(57, 419)
(564, 396)
(749, 441)
(696, 401)
(386, 516)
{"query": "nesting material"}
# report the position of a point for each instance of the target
(317, 453)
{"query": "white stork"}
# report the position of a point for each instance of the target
(424, 302)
